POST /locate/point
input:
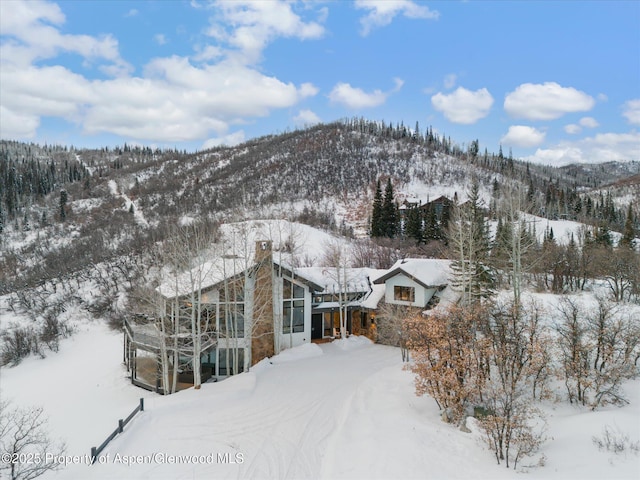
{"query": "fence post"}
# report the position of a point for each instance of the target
(120, 426)
(142, 404)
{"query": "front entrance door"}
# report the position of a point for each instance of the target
(316, 326)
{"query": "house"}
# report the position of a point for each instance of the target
(233, 312)
(440, 206)
(420, 283)
(347, 294)
(242, 311)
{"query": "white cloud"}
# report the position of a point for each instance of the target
(351, 97)
(602, 147)
(450, 80)
(382, 13)
(356, 98)
(523, 136)
(557, 156)
(305, 118)
(31, 33)
(131, 13)
(589, 122)
(572, 129)
(308, 90)
(175, 101)
(257, 23)
(231, 140)
(45, 91)
(172, 100)
(160, 39)
(14, 126)
(546, 101)
(463, 106)
(209, 52)
(632, 111)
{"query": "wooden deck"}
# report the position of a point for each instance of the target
(147, 369)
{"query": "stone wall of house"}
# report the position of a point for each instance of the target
(368, 330)
(262, 335)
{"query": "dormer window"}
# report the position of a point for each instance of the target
(404, 294)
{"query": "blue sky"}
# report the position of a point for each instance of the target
(556, 82)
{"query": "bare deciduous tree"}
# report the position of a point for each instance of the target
(598, 351)
(25, 440)
(450, 363)
(335, 260)
(513, 205)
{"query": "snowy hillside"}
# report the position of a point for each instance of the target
(340, 410)
(80, 244)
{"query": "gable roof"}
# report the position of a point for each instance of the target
(427, 272)
(358, 280)
(215, 272)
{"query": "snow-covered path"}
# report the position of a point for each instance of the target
(318, 411)
(285, 419)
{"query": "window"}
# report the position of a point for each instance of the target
(227, 364)
(363, 320)
(232, 320)
(328, 324)
(233, 290)
(292, 307)
(404, 294)
(208, 318)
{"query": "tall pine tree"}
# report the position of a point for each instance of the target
(376, 215)
(390, 215)
(469, 242)
(628, 234)
(413, 227)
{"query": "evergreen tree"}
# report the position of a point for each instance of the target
(628, 234)
(469, 242)
(390, 217)
(432, 231)
(443, 221)
(63, 205)
(413, 228)
(376, 215)
(603, 236)
(502, 244)
(25, 221)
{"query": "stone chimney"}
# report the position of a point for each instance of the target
(262, 339)
(263, 250)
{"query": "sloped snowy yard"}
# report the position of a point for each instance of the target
(340, 410)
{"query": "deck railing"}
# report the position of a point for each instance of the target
(95, 451)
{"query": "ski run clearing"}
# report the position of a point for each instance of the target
(345, 409)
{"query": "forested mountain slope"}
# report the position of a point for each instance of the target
(68, 213)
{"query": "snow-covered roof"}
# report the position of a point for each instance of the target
(428, 272)
(448, 296)
(373, 298)
(202, 277)
(332, 280)
(215, 272)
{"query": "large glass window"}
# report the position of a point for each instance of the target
(208, 318)
(404, 294)
(292, 307)
(231, 313)
(232, 320)
(230, 361)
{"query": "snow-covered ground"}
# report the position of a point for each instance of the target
(341, 410)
